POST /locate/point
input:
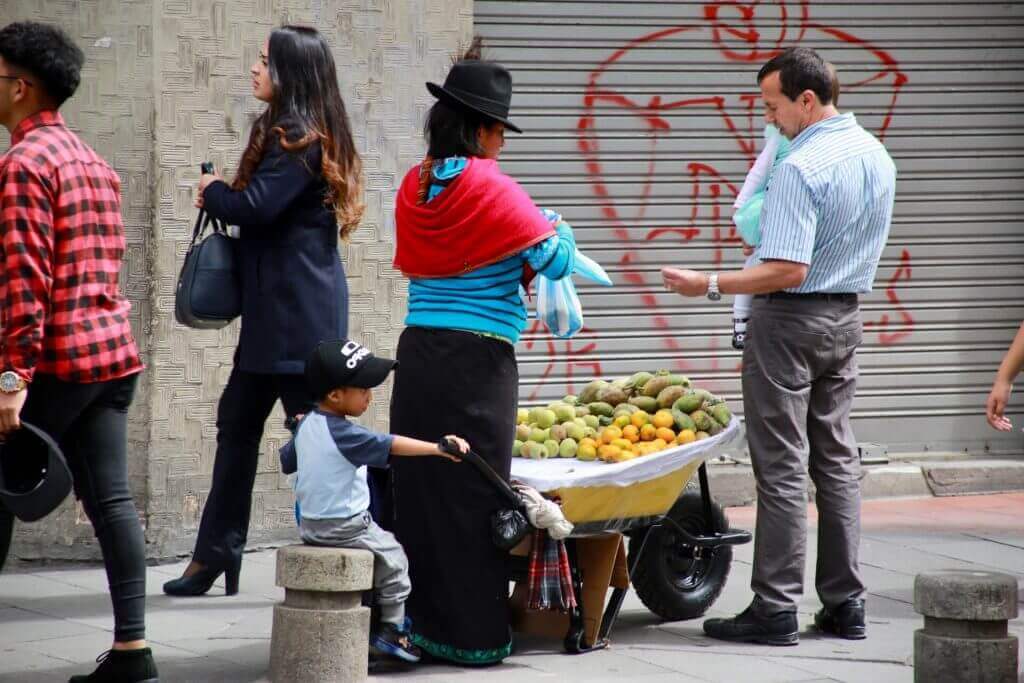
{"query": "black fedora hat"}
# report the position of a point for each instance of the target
(34, 478)
(479, 86)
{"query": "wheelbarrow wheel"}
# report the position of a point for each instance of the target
(676, 580)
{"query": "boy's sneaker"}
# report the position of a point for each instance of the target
(739, 333)
(122, 666)
(394, 641)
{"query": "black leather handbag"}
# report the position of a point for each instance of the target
(208, 295)
(509, 525)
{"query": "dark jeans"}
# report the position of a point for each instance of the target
(90, 422)
(244, 407)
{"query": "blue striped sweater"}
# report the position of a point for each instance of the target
(487, 300)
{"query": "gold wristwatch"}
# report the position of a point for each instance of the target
(11, 382)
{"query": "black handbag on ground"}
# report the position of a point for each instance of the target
(208, 295)
(509, 526)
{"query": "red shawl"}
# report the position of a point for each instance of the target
(482, 217)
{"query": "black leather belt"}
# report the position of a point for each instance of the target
(842, 297)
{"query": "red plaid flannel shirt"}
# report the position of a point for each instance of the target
(61, 245)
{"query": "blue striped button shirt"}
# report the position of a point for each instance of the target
(829, 205)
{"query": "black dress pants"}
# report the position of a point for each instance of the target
(90, 423)
(242, 412)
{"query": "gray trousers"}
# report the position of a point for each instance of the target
(799, 380)
(391, 584)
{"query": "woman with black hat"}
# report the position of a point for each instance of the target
(467, 236)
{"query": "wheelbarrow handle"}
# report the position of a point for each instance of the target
(504, 488)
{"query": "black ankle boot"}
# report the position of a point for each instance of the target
(750, 627)
(122, 666)
(202, 581)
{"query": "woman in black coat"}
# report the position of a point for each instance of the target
(299, 181)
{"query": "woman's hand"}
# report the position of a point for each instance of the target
(996, 404)
(204, 182)
(747, 249)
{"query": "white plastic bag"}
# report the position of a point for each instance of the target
(559, 307)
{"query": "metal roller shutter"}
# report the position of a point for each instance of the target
(642, 119)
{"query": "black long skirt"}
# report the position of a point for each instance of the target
(451, 382)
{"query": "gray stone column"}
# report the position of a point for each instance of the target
(321, 631)
(965, 637)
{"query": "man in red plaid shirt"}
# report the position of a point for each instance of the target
(69, 361)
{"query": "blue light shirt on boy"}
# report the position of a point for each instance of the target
(330, 456)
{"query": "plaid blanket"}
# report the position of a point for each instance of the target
(550, 580)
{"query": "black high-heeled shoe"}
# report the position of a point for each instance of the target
(203, 580)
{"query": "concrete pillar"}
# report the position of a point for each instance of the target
(321, 631)
(965, 637)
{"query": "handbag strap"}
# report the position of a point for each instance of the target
(503, 487)
(202, 220)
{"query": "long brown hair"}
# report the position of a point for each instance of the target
(307, 107)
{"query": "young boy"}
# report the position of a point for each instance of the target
(330, 455)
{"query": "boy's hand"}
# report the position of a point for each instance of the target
(452, 443)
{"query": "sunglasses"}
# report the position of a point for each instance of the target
(16, 78)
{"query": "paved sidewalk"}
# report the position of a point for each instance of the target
(54, 621)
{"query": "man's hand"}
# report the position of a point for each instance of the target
(10, 411)
(996, 404)
(685, 282)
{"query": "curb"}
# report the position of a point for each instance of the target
(733, 485)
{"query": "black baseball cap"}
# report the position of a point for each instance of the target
(34, 477)
(345, 363)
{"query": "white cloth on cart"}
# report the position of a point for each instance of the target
(543, 513)
(557, 473)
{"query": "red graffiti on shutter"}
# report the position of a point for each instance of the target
(906, 321)
(684, 137)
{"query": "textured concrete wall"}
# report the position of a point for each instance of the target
(179, 93)
(113, 112)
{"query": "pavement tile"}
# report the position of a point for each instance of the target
(1002, 557)
(21, 626)
(722, 668)
(242, 651)
(209, 670)
(83, 649)
(16, 661)
(857, 672)
(605, 665)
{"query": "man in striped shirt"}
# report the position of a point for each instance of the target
(824, 224)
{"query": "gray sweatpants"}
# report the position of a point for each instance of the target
(391, 585)
(799, 381)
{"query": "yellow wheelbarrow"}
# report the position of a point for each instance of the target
(680, 543)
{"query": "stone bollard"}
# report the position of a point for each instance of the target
(965, 637)
(321, 631)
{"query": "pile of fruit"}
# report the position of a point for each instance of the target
(621, 420)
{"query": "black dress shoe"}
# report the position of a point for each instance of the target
(122, 666)
(845, 621)
(749, 627)
(202, 581)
